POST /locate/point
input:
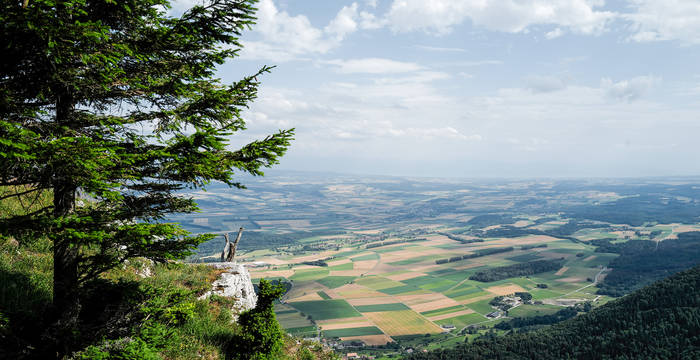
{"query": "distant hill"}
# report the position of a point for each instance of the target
(660, 321)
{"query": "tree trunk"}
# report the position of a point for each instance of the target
(227, 249)
(235, 245)
(66, 299)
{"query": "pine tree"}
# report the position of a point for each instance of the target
(112, 107)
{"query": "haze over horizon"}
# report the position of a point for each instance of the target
(569, 88)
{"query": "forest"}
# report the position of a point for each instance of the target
(642, 262)
(521, 269)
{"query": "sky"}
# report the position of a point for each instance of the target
(478, 88)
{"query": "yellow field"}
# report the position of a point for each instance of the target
(451, 315)
(406, 276)
(561, 271)
(307, 297)
(338, 262)
(365, 264)
(405, 322)
(436, 304)
(347, 272)
(590, 258)
(505, 289)
(272, 273)
(354, 291)
(372, 301)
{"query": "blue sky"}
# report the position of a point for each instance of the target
(479, 88)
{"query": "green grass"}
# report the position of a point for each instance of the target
(399, 290)
(333, 282)
(443, 311)
(26, 277)
(462, 320)
(282, 312)
(533, 310)
(456, 276)
(540, 294)
(326, 309)
(301, 331)
(361, 331)
(381, 250)
(421, 280)
(439, 285)
(378, 282)
(372, 256)
(461, 291)
(417, 259)
(482, 307)
(308, 274)
(323, 295)
(293, 320)
(346, 266)
(381, 307)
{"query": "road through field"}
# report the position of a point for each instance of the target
(595, 282)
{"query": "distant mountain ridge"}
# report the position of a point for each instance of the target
(660, 321)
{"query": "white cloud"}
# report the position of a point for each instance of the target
(655, 20)
(628, 90)
(544, 83)
(284, 37)
(440, 49)
(554, 34)
(344, 23)
(465, 75)
(373, 66)
(440, 16)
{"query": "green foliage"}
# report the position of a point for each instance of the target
(79, 81)
(261, 337)
(642, 262)
(121, 349)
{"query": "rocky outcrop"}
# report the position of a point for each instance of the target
(234, 283)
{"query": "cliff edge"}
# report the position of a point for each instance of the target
(234, 282)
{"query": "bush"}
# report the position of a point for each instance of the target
(261, 337)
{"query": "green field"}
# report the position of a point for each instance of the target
(346, 266)
(373, 256)
(381, 307)
(361, 331)
(333, 282)
(306, 331)
(443, 311)
(533, 310)
(482, 307)
(463, 320)
(293, 320)
(326, 309)
(323, 295)
(309, 274)
(399, 290)
(378, 283)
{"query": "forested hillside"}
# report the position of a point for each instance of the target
(661, 321)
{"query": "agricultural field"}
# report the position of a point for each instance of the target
(390, 259)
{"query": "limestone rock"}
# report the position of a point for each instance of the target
(235, 283)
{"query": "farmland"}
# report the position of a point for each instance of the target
(424, 257)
